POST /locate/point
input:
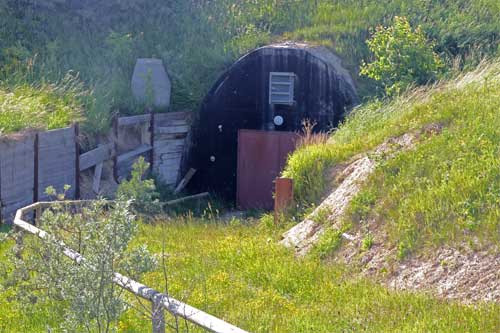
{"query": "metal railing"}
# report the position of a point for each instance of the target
(159, 301)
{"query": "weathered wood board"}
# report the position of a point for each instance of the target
(56, 162)
(170, 133)
(96, 156)
(17, 181)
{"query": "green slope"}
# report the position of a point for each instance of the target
(445, 191)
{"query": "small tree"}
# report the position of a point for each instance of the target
(402, 56)
(89, 299)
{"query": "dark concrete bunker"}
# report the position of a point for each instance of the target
(273, 88)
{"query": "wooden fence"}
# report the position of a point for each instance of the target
(30, 163)
(159, 301)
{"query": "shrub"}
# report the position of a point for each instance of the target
(84, 292)
(142, 192)
(402, 56)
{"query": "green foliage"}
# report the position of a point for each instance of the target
(329, 242)
(218, 267)
(307, 167)
(84, 294)
(361, 205)
(367, 242)
(142, 192)
(197, 40)
(402, 57)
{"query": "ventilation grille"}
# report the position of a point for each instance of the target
(281, 87)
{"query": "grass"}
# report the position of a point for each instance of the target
(197, 41)
(239, 273)
(446, 191)
(40, 107)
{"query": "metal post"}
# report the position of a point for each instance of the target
(283, 198)
(158, 315)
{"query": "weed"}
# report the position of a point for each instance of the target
(367, 242)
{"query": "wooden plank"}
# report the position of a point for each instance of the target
(173, 122)
(168, 157)
(56, 162)
(160, 142)
(136, 152)
(77, 161)
(183, 183)
(134, 120)
(160, 151)
(190, 197)
(171, 137)
(96, 156)
(165, 118)
(49, 139)
(171, 130)
(97, 178)
(17, 176)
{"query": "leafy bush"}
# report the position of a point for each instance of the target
(142, 192)
(403, 57)
(83, 292)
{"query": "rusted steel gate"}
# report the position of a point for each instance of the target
(261, 158)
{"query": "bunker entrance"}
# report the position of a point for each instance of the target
(273, 88)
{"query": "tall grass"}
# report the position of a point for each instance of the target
(44, 106)
(198, 40)
(237, 273)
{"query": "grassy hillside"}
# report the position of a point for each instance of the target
(445, 191)
(236, 271)
(197, 40)
(44, 106)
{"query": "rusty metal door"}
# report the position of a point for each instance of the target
(261, 158)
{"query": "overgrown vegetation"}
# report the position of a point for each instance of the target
(44, 106)
(197, 40)
(403, 57)
(236, 272)
(140, 190)
(83, 293)
(445, 191)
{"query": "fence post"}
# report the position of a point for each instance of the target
(283, 196)
(152, 140)
(115, 148)
(77, 161)
(158, 315)
(35, 167)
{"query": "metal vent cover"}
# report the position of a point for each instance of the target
(281, 88)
